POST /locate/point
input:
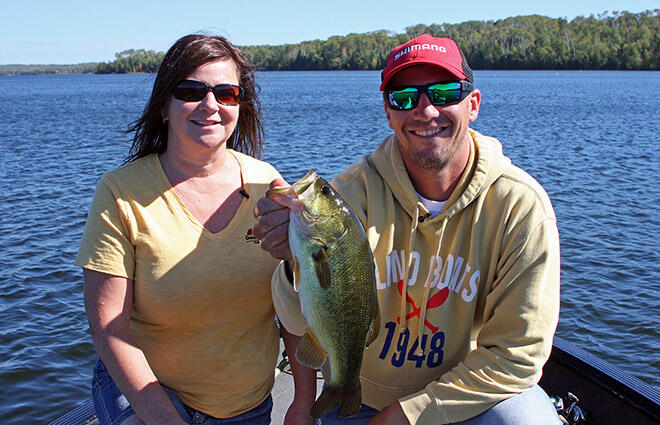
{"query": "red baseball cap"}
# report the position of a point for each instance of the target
(426, 49)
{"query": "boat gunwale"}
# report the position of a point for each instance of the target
(607, 376)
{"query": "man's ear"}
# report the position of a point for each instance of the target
(387, 114)
(473, 105)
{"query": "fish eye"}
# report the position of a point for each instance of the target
(325, 190)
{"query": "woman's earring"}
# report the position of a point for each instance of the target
(164, 120)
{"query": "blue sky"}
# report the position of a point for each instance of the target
(68, 31)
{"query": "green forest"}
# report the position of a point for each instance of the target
(132, 61)
(81, 68)
(617, 41)
(609, 41)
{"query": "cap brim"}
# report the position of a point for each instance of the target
(452, 70)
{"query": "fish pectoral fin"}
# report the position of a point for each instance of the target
(309, 352)
(322, 266)
(373, 329)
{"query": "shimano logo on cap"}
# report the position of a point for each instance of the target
(420, 47)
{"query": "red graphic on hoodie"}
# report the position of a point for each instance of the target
(435, 301)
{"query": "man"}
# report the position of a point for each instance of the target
(466, 251)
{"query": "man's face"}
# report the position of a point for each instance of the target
(430, 137)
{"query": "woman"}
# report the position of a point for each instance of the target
(177, 293)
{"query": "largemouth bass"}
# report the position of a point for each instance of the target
(334, 275)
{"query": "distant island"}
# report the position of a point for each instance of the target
(609, 41)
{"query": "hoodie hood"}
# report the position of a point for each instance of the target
(486, 163)
(469, 299)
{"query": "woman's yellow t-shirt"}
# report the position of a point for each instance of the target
(202, 307)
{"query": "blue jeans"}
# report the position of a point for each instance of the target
(112, 407)
(531, 407)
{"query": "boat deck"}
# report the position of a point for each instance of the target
(608, 395)
(282, 397)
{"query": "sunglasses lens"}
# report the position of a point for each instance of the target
(444, 93)
(227, 95)
(439, 94)
(403, 99)
(194, 91)
(190, 91)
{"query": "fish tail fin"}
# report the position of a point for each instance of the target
(348, 401)
(327, 401)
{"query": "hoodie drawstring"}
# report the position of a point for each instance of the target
(404, 289)
(427, 290)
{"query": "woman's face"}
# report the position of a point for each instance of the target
(205, 124)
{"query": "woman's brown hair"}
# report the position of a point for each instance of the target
(184, 57)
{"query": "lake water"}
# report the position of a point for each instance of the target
(590, 138)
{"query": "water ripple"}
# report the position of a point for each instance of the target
(597, 161)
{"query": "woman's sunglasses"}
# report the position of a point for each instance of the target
(194, 91)
(440, 93)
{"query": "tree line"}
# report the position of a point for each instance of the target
(132, 61)
(614, 41)
(617, 41)
(81, 68)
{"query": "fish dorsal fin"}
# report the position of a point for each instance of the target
(373, 329)
(322, 266)
(309, 351)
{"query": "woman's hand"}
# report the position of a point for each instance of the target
(108, 304)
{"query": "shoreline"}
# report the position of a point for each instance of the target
(49, 73)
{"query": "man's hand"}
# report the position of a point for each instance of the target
(298, 415)
(391, 415)
(272, 225)
(304, 384)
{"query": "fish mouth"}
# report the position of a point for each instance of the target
(292, 196)
(295, 190)
(301, 186)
